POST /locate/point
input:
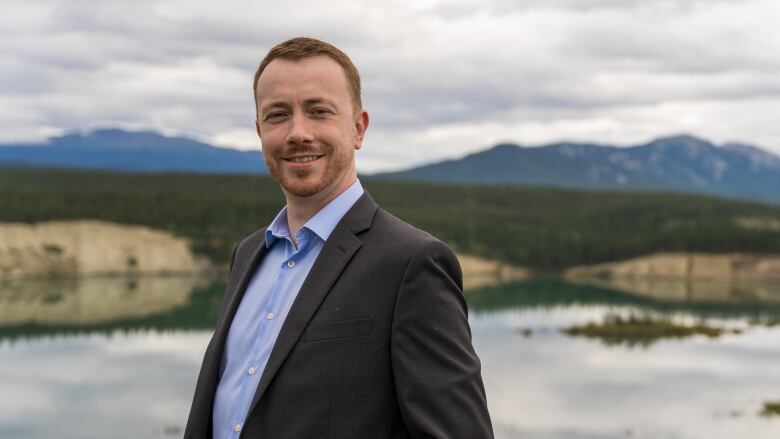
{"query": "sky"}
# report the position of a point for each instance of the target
(441, 79)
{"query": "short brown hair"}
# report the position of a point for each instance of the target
(303, 47)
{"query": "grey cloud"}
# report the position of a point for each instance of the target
(18, 79)
(633, 44)
(186, 66)
(501, 7)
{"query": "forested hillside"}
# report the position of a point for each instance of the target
(544, 229)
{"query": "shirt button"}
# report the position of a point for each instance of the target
(270, 316)
(291, 263)
(251, 370)
(237, 427)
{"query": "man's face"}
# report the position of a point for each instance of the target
(308, 127)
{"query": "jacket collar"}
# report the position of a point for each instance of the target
(336, 253)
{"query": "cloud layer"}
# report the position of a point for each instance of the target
(440, 78)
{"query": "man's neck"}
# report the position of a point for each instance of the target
(302, 209)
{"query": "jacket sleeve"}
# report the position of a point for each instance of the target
(436, 371)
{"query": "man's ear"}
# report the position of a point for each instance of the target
(361, 125)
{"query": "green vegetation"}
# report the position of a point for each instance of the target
(545, 229)
(771, 408)
(642, 330)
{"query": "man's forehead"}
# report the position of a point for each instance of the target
(319, 69)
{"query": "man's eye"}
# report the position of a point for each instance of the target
(275, 116)
(320, 111)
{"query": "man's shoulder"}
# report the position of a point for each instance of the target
(401, 248)
(399, 237)
(385, 223)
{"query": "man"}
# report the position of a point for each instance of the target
(339, 320)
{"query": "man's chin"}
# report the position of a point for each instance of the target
(299, 183)
(303, 189)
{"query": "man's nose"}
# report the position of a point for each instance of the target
(300, 130)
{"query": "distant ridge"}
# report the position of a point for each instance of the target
(119, 150)
(680, 163)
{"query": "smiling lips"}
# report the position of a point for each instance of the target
(303, 159)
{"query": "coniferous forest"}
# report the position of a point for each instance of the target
(541, 228)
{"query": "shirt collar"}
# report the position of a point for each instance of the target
(323, 222)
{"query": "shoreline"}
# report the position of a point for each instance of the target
(91, 248)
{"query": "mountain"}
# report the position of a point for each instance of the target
(681, 163)
(119, 150)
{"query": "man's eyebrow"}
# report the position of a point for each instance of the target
(319, 100)
(274, 104)
(307, 102)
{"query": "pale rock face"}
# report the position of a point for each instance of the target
(91, 248)
(693, 266)
(695, 277)
(479, 272)
(87, 248)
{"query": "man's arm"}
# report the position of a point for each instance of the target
(198, 424)
(436, 371)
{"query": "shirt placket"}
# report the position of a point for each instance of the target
(269, 322)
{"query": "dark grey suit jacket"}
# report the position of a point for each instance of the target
(376, 344)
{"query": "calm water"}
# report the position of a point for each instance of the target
(118, 358)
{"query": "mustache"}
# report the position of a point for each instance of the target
(300, 150)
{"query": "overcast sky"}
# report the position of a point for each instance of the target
(440, 78)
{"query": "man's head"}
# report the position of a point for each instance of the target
(309, 118)
(302, 47)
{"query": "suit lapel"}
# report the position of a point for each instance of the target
(244, 267)
(333, 258)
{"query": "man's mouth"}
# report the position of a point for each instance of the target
(303, 158)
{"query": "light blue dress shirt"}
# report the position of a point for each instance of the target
(265, 305)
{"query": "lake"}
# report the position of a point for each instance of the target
(118, 358)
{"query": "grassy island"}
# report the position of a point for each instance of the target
(771, 408)
(641, 330)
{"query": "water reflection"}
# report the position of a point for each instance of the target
(693, 291)
(103, 305)
(760, 304)
(92, 301)
(191, 302)
(101, 385)
(119, 358)
(551, 385)
(543, 383)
